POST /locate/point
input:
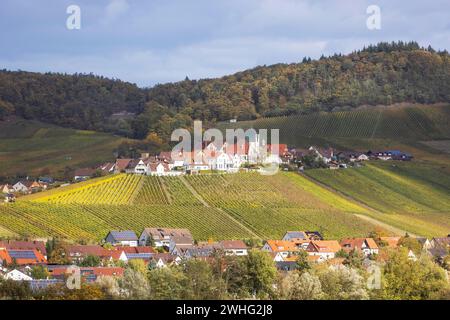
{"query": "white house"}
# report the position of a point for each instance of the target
(234, 247)
(17, 275)
(365, 245)
(123, 238)
(141, 167)
(158, 169)
(21, 187)
(161, 237)
(280, 247)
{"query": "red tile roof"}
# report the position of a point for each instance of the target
(324, 246)
(357, 243)
(24, 245)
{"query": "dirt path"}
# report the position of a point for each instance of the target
(206, 204)
(384, 225)
(194, 192)
(374, 221)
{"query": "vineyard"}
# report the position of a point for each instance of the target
(211, 206)
(409, 195)
(416, 123)
(29, 146)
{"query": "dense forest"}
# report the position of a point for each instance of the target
(75, 101)
(385, 73)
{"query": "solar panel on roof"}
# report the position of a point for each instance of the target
(124, 235)
(139, 255)
(22, 254)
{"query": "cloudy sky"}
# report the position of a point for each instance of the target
(157, 41)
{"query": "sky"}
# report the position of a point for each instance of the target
(157, 41)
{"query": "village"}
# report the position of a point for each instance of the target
(212, 158)
(167, 247)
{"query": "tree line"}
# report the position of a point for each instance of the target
(254, 277)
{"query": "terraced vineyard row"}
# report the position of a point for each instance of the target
(244, 190)
(115, 190)
(165, 190)
(271, 223)
(152, 192)
(408, 123)
(92, 222)
(404, 193)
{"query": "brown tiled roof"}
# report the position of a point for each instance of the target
(84, 172)
(24, 245)
(357, 243)
(233, 244)
(121, 164)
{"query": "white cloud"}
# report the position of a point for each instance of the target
(114, 9)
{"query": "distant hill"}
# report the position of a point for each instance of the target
(75, 101)
(404, 123)
(29, 147)
(384, 74)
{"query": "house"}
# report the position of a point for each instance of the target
(199, 251)
(439, 247)
(123, 238)
(313, 235)
(136, 166)
(391, 242)
(17, 275)
(365, 245)
(291, 235)
(7, 188)
(234, 247)
(426, 244)
(162, 260)
(108, 167)
(160, 237)
(351, 156)
(83, 174)
(21, 257)
(88, 274)
(26, 186)
(5, 259)
(24, 245)
(77, 253)
(158, 169)
(325, 248)
(126, 254)
(179, 244)
(326, 155)
(411, 255)
(46, 180)
(283, 248)
(121, 165)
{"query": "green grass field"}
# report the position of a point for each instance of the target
(238, 206)
(29, 146)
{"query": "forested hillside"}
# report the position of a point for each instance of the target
(75, 101)
(381, 74)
